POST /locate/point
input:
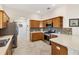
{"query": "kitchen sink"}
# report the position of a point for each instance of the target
(3, 42)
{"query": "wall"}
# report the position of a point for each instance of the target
(18, 17)
(73, 12)
(1, 7)
(35, 16)
(68, 11)
(61, 11)
(14, 14)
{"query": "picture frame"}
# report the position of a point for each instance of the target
(74, 22)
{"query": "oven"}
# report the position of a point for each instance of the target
(47, 37)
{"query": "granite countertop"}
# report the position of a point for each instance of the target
(4, 48)
(69, 41)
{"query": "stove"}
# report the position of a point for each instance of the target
(47, 37)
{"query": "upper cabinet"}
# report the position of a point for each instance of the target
(55, 22)
(49, 21)
(44, 23)
(34, 24)
(3, 19)
(58, 22)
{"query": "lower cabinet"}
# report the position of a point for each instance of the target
(37, 36)
(57, 49)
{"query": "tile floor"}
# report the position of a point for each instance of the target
(26, 47)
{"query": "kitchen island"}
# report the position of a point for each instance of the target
(69, 44)
(7, 49)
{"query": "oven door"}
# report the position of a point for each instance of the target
(46, 37)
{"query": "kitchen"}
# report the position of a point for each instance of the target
(50, 30)
(58, 32)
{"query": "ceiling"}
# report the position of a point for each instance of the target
(29, 9)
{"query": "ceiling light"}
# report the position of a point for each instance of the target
(38, 11)
(48, 8)
(53, 5)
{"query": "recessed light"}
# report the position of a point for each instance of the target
(53, 5)
(38, 11)
(48, 8)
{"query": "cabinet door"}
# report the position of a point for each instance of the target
(57, 22)
(49, 21)
(57, 49)
(3, 19)
(37, 36)
(44, 23)
(0, 19)
(34, 24)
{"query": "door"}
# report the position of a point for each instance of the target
(22, 29)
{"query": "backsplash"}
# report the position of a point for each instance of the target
(61, 30)
(35, 29)
(67, 31)
(57, 30)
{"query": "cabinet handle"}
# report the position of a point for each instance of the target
(58, 47)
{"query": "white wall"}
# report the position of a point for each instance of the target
(14, 14)
(35, 16)
(1, 7)
(68, 11)
(73, 12)
(61, 11)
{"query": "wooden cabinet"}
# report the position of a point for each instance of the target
(58, 22)
(44, 23)
(3, 19)
(55, 22)
(49, 21)
(34, 24)
(57, 49)
(37, 36)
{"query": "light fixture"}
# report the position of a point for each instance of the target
(38, 11)
(53, 5)
(48, 8)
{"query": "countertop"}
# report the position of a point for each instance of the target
(69, 41)
(37, 31)
(4, 49)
